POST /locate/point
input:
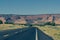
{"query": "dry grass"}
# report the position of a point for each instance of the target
(53, 31)
(10, 26)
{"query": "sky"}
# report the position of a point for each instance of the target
(29, 7)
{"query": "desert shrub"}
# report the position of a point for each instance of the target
(30, 25)
(9, 23)
(48, 23)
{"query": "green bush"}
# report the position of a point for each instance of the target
(1, 22)
(53, 24)
(49, 23)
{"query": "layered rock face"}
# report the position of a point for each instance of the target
(33, 19)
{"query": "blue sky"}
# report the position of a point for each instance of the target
(29, 7)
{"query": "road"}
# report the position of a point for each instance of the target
(32, 33)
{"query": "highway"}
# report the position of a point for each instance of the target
(32, 33)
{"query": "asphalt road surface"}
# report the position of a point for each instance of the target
(24, 34)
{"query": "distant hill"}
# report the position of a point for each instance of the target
(34, 19)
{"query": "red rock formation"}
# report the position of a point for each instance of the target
(35, 19)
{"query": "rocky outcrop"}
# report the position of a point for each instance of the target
(2, 19)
